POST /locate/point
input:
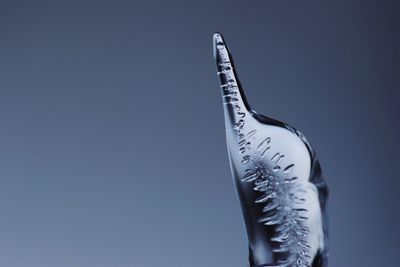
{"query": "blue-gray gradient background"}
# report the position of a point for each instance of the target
(112, 137)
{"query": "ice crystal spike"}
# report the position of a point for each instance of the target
(277, 177)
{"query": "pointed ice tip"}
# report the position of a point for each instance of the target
(217, 37)
(218, 42)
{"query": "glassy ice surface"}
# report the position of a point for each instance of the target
(277, 177)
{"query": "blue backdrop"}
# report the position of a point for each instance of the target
(112, 135)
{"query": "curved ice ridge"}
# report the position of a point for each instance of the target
(277, 177)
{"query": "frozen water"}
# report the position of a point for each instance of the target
(277, 177)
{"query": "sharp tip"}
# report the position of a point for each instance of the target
(217, 37)
(218, 41)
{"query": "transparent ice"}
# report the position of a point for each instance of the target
(277, 177)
